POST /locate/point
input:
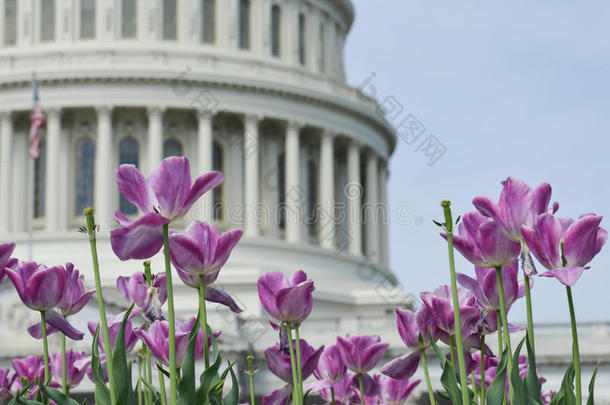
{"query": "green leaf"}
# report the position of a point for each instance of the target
(186, 385)
(102, 394)
(533, 386)
(59, 397)
(591, 385)
(497, 390)
(449, 377)
(519, 394)
(156, 396)
(232, 397)
(214, 343)
(565, 395)
(121, 368)
(208, 380)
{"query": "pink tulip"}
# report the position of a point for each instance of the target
(77, 366)
(286, 300)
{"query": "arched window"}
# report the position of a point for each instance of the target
(170, 22)
(172, 147)
(40, 180)
(129, 14)
(244, 24)
(218, 192)
(275, 30)
(87, 19)
(47, 20)
(302, 38)
(208, 21)
(10, 22)
(128, 154)
(85, 169)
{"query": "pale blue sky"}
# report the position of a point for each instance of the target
(511, 89)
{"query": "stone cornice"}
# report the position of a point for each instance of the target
(360, 110)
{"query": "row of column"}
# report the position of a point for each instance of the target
(359, 221)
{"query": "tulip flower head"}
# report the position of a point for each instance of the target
(518, 205)
(279, 364)
(149, 299)
(344, 391)
(482, 242)
(75, 297)
(414, 327)
(202, 250)
(40, 288)
(6, 382)
(6, 250)
(330, 366)
(565, 246)
(440, 304)
(77, 366)
(286, 300)
(361, 354)
(393, 391)
(166, 195)
(114, 323)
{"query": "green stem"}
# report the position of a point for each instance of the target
(474, 386)
(172, 318)
(299, 366)
(482, 389)
(295, 399)
(64, 375)
(499, 323)
(575, 349)
(452, 349)
(204, 321)
(361, 389)
(505, 328)
(251, 374)
(148, 396)
(88, 212)
(427, 375)
(45, 346)
(332, 394)
(530, 319)
(139, 380)
(456, 308)
(162, 387)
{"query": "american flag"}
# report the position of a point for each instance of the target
(36, 122)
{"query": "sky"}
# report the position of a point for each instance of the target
(514, 88)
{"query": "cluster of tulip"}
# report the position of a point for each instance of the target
(495, 238)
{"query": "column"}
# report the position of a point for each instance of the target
(383, 229)
(371, 213)
(294, 193)
(353, 193)
(251, 157)
(6, 150)
(204, 154)
(52, 169)
(104, 175)
(326, 229)
(155, 136)
(65, 180)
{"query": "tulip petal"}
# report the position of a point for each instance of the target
(402, 367)
(135, 188)
(268, 285)
(171, 183)
(45, 288)
(35, 330)
(278, 397)
(278, 364)
(62, 324)
(221, 297)
(567, 276)
(372, 354)
(186, 254)
(202, 185)
(370, 387)
(140, 240)
(580, 240)
(408, 328)
(226, 243)
(295, 303)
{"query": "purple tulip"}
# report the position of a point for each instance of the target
(75, 297)
(485, 286)
(211, 294)
(286, 300)
(330, 366)
(440, 304)
(29, 368)
(413, 327)
(393, 391)
(40, 288)
(202, 249)
(481, 241)
(361, 354)
(114, 324)
(166, 195)
(518, 205)
(6, 382)
(157, 340)
(6, 250)
(77, 366)
(345, 392)
(135, 289)
(279, 364)
(555, 239)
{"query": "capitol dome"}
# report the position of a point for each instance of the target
(253, 88)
